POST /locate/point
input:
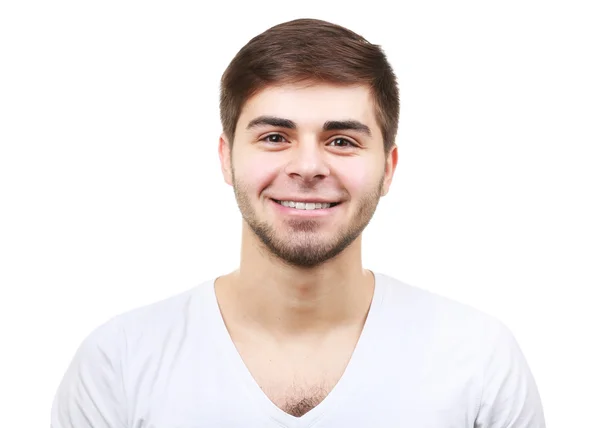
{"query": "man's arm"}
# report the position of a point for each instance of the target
(510, 397)
(91, 393)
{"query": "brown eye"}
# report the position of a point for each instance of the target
(341, 142)
(273, 138)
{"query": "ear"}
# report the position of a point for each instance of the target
(390, 167)
(225, 157)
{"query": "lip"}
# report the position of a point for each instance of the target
(305, 199)
(323, 212)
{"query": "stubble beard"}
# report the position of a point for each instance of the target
(304, 248)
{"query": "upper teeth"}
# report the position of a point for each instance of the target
(305, 205)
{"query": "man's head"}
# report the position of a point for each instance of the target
(309, 112)
(310, 50)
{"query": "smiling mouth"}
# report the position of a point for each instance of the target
(307, 205)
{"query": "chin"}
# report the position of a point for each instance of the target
(306, 250)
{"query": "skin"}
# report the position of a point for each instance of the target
(301, 293)
(305, 292)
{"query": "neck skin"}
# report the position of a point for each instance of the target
(286, 301)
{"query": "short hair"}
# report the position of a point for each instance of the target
(310, 50)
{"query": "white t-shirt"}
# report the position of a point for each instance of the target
(422, 361)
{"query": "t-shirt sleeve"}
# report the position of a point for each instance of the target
(510, 398)
(91, 393)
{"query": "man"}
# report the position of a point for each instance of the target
(301, 335)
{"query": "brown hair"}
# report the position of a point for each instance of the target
(315, 51)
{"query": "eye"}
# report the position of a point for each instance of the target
(273, 138)
(342, 142)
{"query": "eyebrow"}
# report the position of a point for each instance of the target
(330, 125)
(271, 121)
(344, 125)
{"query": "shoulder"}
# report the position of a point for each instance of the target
(167, 310)
(427, 309)
(148, 325)
(440, 325)
(96, 387)
(454, 334)
(164, 317)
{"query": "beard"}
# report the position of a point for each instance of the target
(305, 246)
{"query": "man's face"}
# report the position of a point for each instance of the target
(308, 168)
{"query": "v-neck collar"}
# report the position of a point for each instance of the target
(350, 378)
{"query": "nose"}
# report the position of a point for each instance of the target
(307, 162)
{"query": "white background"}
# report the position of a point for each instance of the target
(111, 195)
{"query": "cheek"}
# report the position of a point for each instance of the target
(356, 175)
(255, 170)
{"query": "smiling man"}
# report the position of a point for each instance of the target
(301, 334)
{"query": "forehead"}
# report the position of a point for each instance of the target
(312, 105)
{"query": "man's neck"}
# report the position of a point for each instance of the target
(287, 301)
